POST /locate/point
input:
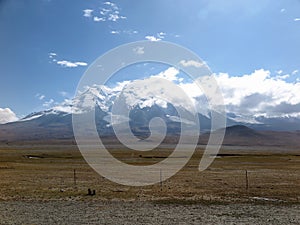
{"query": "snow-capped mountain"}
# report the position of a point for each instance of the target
(136, 104)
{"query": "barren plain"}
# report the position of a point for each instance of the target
(37, 186)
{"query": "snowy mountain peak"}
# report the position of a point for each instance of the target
(153, 97)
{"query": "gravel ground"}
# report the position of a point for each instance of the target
(115, 212)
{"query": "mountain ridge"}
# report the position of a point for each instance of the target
(56, 123)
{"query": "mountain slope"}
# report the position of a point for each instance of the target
(240, 135)
(56, 123)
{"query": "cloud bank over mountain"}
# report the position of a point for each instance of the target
(260, 94)
(7, 115)
(251, 98)
(247, 98)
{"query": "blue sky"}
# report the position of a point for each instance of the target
(46, 45)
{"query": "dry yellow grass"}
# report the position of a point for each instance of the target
(45, 172)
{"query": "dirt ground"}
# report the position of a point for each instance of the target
(37, 186)
(136, 212)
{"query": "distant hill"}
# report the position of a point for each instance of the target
(240, 135)
(237, 135)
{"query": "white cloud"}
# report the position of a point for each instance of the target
(258, 93)
(64, 63)
(155, 90)
(40, 96)
(253, 95)
(247, 96)
(69, 64)
(161, 35)
(81, 63)
(297, 19)
(52, 56)
(193, 63)
(87, 12)
(139, 50)
(104, 11)
(295, 72)
(113, 5)
(115, 32)
(152, 38)
(7, 115)
(110, 12)
(282, 77)
(114, 17)
(282, 10)
(48, 104)
(169, 74)
(128, 32)
(98, 19)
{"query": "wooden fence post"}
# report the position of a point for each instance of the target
(247, 181)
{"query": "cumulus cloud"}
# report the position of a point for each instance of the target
(109, 12)
(152, 38)
(48, 104)
(297, 19)
(127, 32)
(52, 57)
(52, 54)
(247, 96)
(98, 19)
(154, 90)
(110, 4)
(40, 96)
(115, 16)
(169, 74)
(115, 32)
(161, 35)
(65, 63)
(259, 93)
(282, 77)
(187, 63)
(158, 37)
(7, 115)
(87, 12)
(253, 95)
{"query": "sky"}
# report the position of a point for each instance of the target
(251, 46)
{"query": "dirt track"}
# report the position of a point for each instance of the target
(79, 212)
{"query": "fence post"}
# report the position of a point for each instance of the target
(74, 176)
(160, 174)
(247, 181)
